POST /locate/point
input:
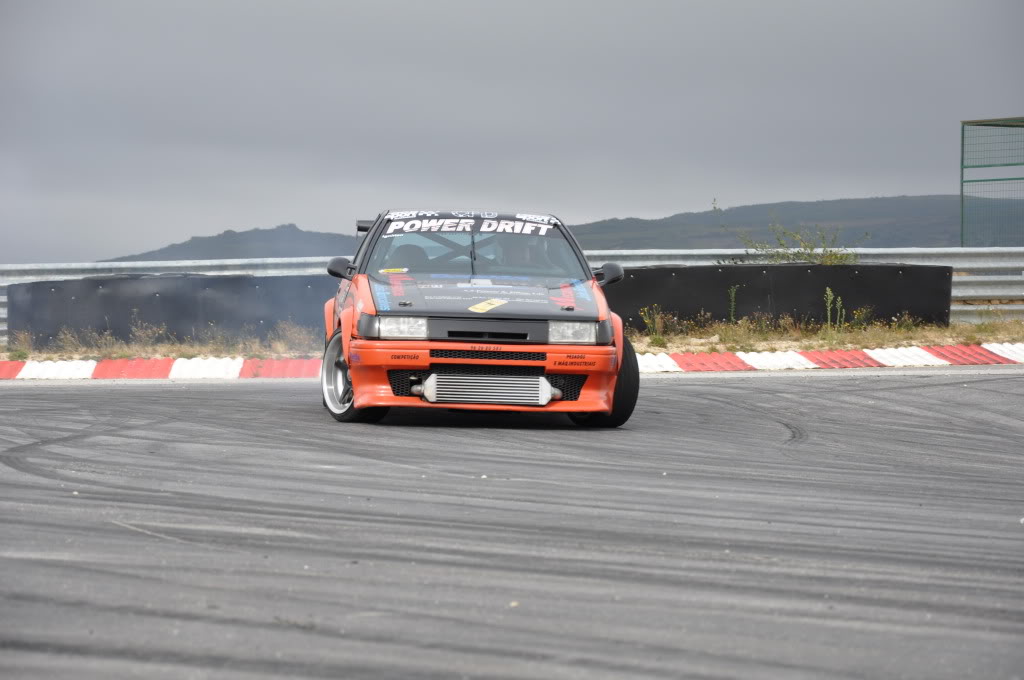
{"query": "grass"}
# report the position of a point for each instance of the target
(749, 334)
(763, 334)
(286, 340)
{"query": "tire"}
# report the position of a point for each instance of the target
(336, 388)
(627, 387)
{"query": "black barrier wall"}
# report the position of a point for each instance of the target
(190, 305)
(798, 290)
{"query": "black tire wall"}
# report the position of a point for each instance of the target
(190, 305)
(797, 290)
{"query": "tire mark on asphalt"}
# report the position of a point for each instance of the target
(836, 567)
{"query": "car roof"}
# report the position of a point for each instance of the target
(480, 214)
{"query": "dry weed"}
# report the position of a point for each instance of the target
(285, 340)
(752, 335)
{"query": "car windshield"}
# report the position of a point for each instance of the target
(475, 247)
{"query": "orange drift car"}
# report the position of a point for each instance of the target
(474, 310)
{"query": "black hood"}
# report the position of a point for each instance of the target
(510, 297)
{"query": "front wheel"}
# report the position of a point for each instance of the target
(627, 387)
(337, 388)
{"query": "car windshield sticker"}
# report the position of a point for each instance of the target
(514, 227)
(393, 270)
(546, 219)
(581, 290)
(409, 214)
(469, 225)
(398, 282)
(567, 298)
(380, 292)
(449, 224)
(487, 305)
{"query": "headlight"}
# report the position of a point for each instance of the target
(403, 327)
(572, 332)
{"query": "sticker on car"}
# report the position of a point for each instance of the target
(487, 305)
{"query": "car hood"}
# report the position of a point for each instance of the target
(510, 297)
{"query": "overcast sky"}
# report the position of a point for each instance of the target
(125, 126)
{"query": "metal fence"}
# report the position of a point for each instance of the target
(987, 283)
(992, 182)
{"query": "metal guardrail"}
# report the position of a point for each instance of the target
(986, 282)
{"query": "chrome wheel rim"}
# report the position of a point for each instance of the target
(334, 378)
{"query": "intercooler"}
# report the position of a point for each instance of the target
(523, 390)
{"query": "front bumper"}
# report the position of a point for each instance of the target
(376, 368)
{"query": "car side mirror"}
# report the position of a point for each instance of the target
(609, 273)
(339, 267)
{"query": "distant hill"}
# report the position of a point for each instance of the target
(897, 221)
(285, 240)
(890, 222)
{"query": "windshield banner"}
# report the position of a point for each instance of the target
(469, 225)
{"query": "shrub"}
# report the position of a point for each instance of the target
(862, 316)
(833, 303)
(21, 341)
(803, 245)
(732, 302)
(289, 337)
(147, 334)
(654, 320)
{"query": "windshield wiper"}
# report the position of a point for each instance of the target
(472, 255)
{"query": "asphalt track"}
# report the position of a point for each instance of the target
(858, 523)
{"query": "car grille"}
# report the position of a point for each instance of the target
(488, 335)
(402, 380)
(570, 384)
(400, 383)
(486, 369)
(488, 330)
(498, 355)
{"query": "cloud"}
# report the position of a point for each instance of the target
(128, 125)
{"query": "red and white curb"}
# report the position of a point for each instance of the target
(945, 355)
(689, 362)
(174, 369)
